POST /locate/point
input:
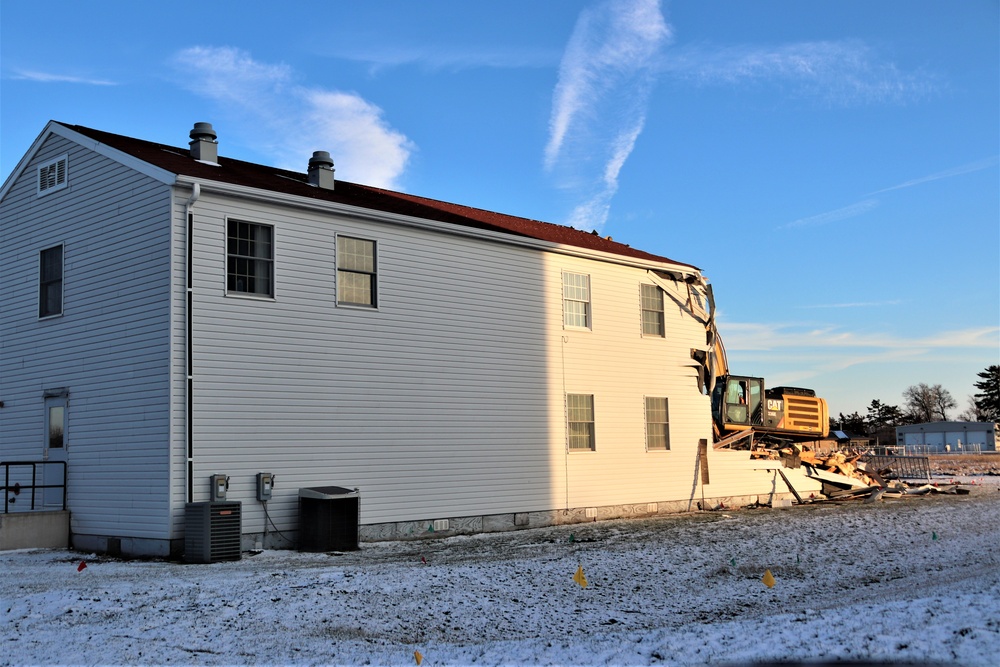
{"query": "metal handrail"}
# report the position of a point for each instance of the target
(18, 487)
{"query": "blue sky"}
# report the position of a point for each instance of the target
(831, 166)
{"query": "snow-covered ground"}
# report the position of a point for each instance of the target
(904, 580)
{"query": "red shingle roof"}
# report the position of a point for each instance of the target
(237, 172)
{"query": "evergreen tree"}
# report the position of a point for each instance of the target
(988, 402)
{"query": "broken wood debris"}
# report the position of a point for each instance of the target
(843, 476)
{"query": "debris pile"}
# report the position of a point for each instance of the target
(847, 475)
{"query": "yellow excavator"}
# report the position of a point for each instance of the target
(742, 403)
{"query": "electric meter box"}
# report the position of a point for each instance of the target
(265, 482)
(220, 484)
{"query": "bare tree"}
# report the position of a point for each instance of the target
(928, 403)
(971, 412)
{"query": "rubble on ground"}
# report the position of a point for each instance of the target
(858, 475)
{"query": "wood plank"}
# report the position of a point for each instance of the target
(834, 478)
(848, 493)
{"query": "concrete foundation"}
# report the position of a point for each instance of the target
(131, 547)
(401, 530)
(405, 530)
(34, 530)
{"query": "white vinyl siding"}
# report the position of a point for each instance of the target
(110, 346)
(452, 404)
(576, 300)
(439, 407)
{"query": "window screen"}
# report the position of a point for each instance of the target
(576, 300)
(356, 276)
(580, 410)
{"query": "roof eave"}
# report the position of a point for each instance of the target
(508, 238)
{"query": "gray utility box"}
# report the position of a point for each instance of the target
(329, 518)
(212, 531)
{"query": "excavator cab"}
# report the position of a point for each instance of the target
(737, 403)
(740, 403)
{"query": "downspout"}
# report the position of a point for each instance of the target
(189, 338)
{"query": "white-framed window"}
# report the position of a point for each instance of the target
(657, 424)
(580, 419)
(50, 282)
(652, 311)
(249, 258)
(576, 300)
(357, 279)
(52, 175)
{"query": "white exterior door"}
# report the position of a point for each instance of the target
(54, 451)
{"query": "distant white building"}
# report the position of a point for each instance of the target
(935, 437)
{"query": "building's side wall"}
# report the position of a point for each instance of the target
(109, 348)
(620, 366)
(957, 437)
(449, 399)
(433, 404)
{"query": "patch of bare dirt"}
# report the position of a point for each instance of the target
(969, 465)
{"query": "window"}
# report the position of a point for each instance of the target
(356, 278)
(652, 310)
(657, 424)
(576, 300)
(56, 429)
(580, 411)
(50, 282)
(250, 259)
(52, 175)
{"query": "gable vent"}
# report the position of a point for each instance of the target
(52, 175)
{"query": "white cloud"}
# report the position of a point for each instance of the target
(289, 121)
(791, 336)
(979, 165)
(841, 72)
(454, 58)
(600, 100)
(47, 77)
(836, 215)
(791, 353)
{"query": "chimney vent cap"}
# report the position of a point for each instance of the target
(320, 159)
(203, 131)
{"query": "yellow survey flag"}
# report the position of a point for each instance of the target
(580, 577)
(418, 657)
(768, 579)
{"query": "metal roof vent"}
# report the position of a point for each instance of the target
(204, 147)
(321, 170)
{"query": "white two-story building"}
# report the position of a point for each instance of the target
(169, 314)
